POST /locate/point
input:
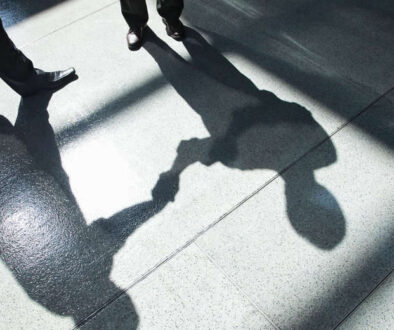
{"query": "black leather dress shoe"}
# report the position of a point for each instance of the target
(175, 29)
(42, 80)
(53, 80)
(134, 38)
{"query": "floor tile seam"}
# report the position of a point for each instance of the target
(238, 205)
(162, 262)
(235, 285)
(374, 290)
(29, 43)
(293, 163)
(285, 169)
(311, 150)
(134, 283)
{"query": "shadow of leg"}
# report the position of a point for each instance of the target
(62, 264)
(33, 127)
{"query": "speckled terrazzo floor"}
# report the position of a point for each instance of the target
(240, 179)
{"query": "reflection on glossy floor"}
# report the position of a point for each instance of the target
(241, 179)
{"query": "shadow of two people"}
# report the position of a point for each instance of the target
(64, 264)
(61, 262)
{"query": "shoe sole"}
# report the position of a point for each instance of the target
(21, 89)
(134, 48)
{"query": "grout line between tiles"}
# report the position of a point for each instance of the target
(243, 201)
(237, 287)
(364, 299)
(67, 25)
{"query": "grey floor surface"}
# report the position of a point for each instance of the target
(241, 179)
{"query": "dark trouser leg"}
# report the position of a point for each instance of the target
(135, 12)
(171, 10)
(14, 65)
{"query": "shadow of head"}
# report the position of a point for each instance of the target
(314, 213)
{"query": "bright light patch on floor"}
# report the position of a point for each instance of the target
(100, 179)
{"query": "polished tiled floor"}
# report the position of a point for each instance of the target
(241, 179)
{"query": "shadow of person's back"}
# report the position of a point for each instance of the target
(60, 261)
(250, 129)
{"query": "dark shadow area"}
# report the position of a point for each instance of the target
(61, 262)
(249, 129)
(374, 264)
(15, 11)
(359, 284)
(338, 53)
(110, 110)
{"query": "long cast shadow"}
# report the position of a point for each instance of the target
(249, 129)
(322, 48)
(61, 262)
